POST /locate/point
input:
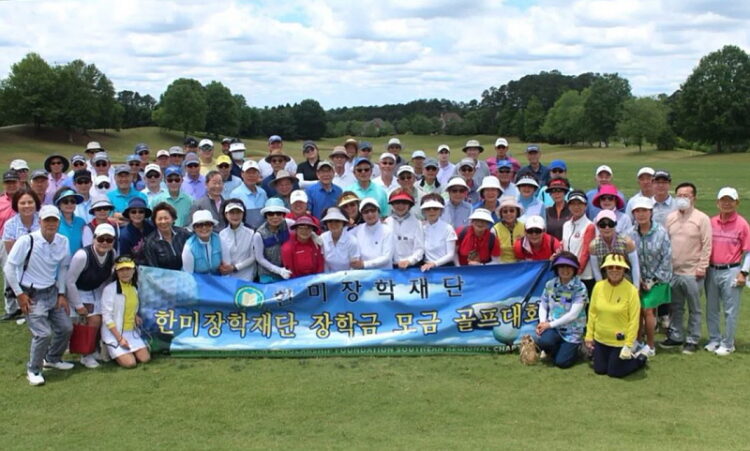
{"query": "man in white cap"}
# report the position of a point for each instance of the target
(645, 177)
(36, 271)
(457, 209)
(394, 147)
(502, 148)
(206, 156)
(162, 159)
(727, 271)
(89, 272)
(664, 203)
(237, 154)
(446, 169)
(251, 194)
(22, 168)
(154, 182)
(603, 176)
(417, 162)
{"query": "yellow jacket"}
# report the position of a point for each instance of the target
(614, 310)
(507, 237)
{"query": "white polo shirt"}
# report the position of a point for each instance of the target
(439, 242)
(48, 263)
(408, 239)
(339, 255)
(375, 245)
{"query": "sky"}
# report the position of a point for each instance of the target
(365, 52)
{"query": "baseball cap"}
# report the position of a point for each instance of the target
(642, 202)
(645, 170)
(274, 139)
(418, 154)
(17, 165)
(101, 179)
(394, 142)
(77, 158)
(558, 164)
(10, 176)
(365, 145)
(444, 147)
(151, 167)
(162, 153)
(728, 191)
(532, 148)
(324, 163)
(36, 173)
(250, 164)
(368, 201)
(298, 196)
(405, 168)
(604, 168)
(237, 147)
(235, 206)
(49, 211)
(206, 143)
(81, 174)
(119, 169)
(190, 142)
(133, 157)
(172, 170)
(223, 159)
(525, 180)
(662, 174)
(191, 158)
(309, 143)
(100, 156)
(465, 162)
(431, 163)
(577, 195)
(501, 142)
(535, 222)
(176, 150)
(360, 160)
(605, 214)
(483, 215)
(104, 229)
(140, 147)
(385, 155)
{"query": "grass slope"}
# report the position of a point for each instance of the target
(679, 402)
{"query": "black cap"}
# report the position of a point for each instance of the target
(10, 176)
(81, 174)
(191, 142)
(662, 174)
(577, 194)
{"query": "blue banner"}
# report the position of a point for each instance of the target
(446, 310)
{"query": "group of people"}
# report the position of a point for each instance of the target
(638, 261)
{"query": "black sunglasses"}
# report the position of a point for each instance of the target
(606, 223)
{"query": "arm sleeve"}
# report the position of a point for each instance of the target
(87, 237)
(242, 264)
(544, 298)
(450, 250)
(588, 235)
(77, 264)
(594, 265)
(418, 253)
(188, 262)
(572, 314)
(746, 262)
(387, 251)
(635, 268)
(260, 258)
(108, 302)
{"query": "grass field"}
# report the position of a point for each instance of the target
(679, 402)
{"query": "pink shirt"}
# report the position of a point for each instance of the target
(690, 233)
(6, 211)
(730, 239)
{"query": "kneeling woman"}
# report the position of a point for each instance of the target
(614, 316)
(562, 316)
(120, 316)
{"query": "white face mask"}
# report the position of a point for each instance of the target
(683, 203)
(238, 156)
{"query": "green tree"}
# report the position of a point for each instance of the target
(714, 102)
(222, 112)
(564, 122)
(28, 94)
(603, 108)
(403, 125)
(137, 109)
(84, 98)
(643, 119)
(533, 119)
(310, 119)
(183, 106)
(421, 125)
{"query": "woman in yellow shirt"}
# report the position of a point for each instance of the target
(614, 316)
(120, 316)
(508, 229)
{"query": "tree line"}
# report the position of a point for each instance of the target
(710, 110)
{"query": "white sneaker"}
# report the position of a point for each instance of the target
(647, 351)
(722, 351)
(711, 346)
(61, 365)
(89, 361)
(21, 321)
(34, 378)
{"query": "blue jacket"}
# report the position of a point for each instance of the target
(202, 264)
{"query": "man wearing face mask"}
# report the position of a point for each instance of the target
(690, 232)
(237, 152)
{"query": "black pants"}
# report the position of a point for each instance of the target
(607, 361)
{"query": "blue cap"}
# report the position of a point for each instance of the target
(133, 158)
(191, 158)
(172, 170)
(122, 169)
(68, 193)
(365, 145)
(274, 138)
(136, 202)
(558, 164)
(140, 147)
(532, 148)
(504, 164)
(362, 160)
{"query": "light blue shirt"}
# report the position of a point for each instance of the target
(252, 200)
(120, 200)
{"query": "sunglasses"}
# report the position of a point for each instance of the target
(56, 162)
(202, 225)
(365, 150)
(556, 190)
(134, 163)
(83, 181)
(457, 190)
(79, 163)
(143, 152)
(22, 170)
(173, 180)
(606, 224)
(192, 164)
(405, 177)
(557, 171)
(608, 198)
(466, 169)
(275, 213)
(308, 150)
(68, 201)
(277, 160)
(153, 175)
(101, 164)
(430, 168)
(103, 186)
(223, 166)
(533, 231)
(137, 211)
(103, 239)
(103, 209)
(362, 170)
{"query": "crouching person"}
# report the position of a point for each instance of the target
(35, 271)
(120, 316)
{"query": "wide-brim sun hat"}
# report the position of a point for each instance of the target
(608, 190)
(482, 214)
(201, 216)
(139, 203)
(281, 175)
(642, 202)
(305, 221)
(510, 202)
(65, 162)
(68, 193)
(274, 205)
(334, 214)
(490, 182)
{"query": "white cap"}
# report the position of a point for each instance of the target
(202, 216)
(234, 206)
(385, 155)
(405, 168)
(527, 181)
(418, 154)
(368, 201)
(206, 142)
(17, 165)
(644, 170)
(728, 191)
(162, 153)
(250, 164)
(151, 167)
(456, 181)
(490, 181)
(334, 214)
(535, 222)
(432, 204)
(101, 178)
(465, 162)
(49, 211)
(236, 147)
(642, 202)
(604, 167)
(443, 147)
(298, 196)
(394, 142)
(501, 142)
(482, 214)
(104, 229)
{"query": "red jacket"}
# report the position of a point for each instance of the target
(302, 259)
(549, 246)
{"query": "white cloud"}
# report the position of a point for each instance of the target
(372, 51)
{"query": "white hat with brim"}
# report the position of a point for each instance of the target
(510, 202)
(604, 168)
(527, 181)
(334, 214)
(645, 170)
(482, 214)
(368, 201)
(432, 204)
(456, 181)
(250, 164)
(201, 216)
(274, 205)
(490, 182)
(49, 211)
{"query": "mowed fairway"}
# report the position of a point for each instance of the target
(679, 402)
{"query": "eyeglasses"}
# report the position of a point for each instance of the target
(68, 201)
(206, 149)
(607, 198)
(277, 160)
(556, 190)
(56, 162)
(606, 223)
(173, 180)
(143, 152)
(533, 231)
(504, 171)
(101, 164)
(275, 213)
(366, 149)
(466, 169)
(362, 170)
(153, 175)
(405, 177)
(308, 150)
(557, 171)
(457, 190)
(223, 166)
(134, 163)
(83, 181)
(103, 186)
(507, 210)
(137, 211)
(386, 163)
(202, 225)
(104, 239)
(430, 168)
(79, 163)
(367, 211)
(103, 209)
